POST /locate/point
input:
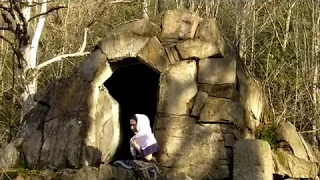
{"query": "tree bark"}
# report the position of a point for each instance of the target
(160, 6)
(145, 9)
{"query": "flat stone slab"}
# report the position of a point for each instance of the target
(217, 71)
(222, 110)
(252, 160)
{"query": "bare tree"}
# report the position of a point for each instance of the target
(160, 6)
(16, 16)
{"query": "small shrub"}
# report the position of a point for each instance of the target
(269, 134)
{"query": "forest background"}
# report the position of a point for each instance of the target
(278, 41)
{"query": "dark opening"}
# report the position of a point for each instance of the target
(135, 88)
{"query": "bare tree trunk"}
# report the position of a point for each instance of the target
(215, 7)
(253, 34)
(182, 4)
(30, 85)
(191, 5)
(315, 65)
(288, 21)
(145, 9)
(207, 4)
(160, 6)
(242, 39)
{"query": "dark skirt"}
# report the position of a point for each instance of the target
(143, 170)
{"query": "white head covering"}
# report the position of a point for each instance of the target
(144, 137)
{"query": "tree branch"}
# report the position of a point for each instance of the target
(6, 40)
(59, 58)
(49, 11)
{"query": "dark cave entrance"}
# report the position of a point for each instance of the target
(135, 87)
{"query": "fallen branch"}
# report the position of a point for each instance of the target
(59, 58)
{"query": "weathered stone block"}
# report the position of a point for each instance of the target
(287, 132)
(179, 24)
(182, 136)
(96, 68)
(220, 91)
(195, 48)
(294, 167)
(217, 71)
(222, 110)
(105, 136)
(252, 160)
(177, 87)
(142, 27)
(200, 101)
(154, 55)
(117, 46)
(208, 30)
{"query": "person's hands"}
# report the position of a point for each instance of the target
(135, 144)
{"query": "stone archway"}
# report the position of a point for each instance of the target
(135, 88)
(205, 100)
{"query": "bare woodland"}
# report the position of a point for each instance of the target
(279, 42)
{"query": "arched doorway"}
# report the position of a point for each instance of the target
(135, 88)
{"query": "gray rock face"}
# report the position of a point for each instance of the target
(73, 129)
(222, 110)
(177, 87)
(202, 144)
(252, 160)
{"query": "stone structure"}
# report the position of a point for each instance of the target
(206, 101)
